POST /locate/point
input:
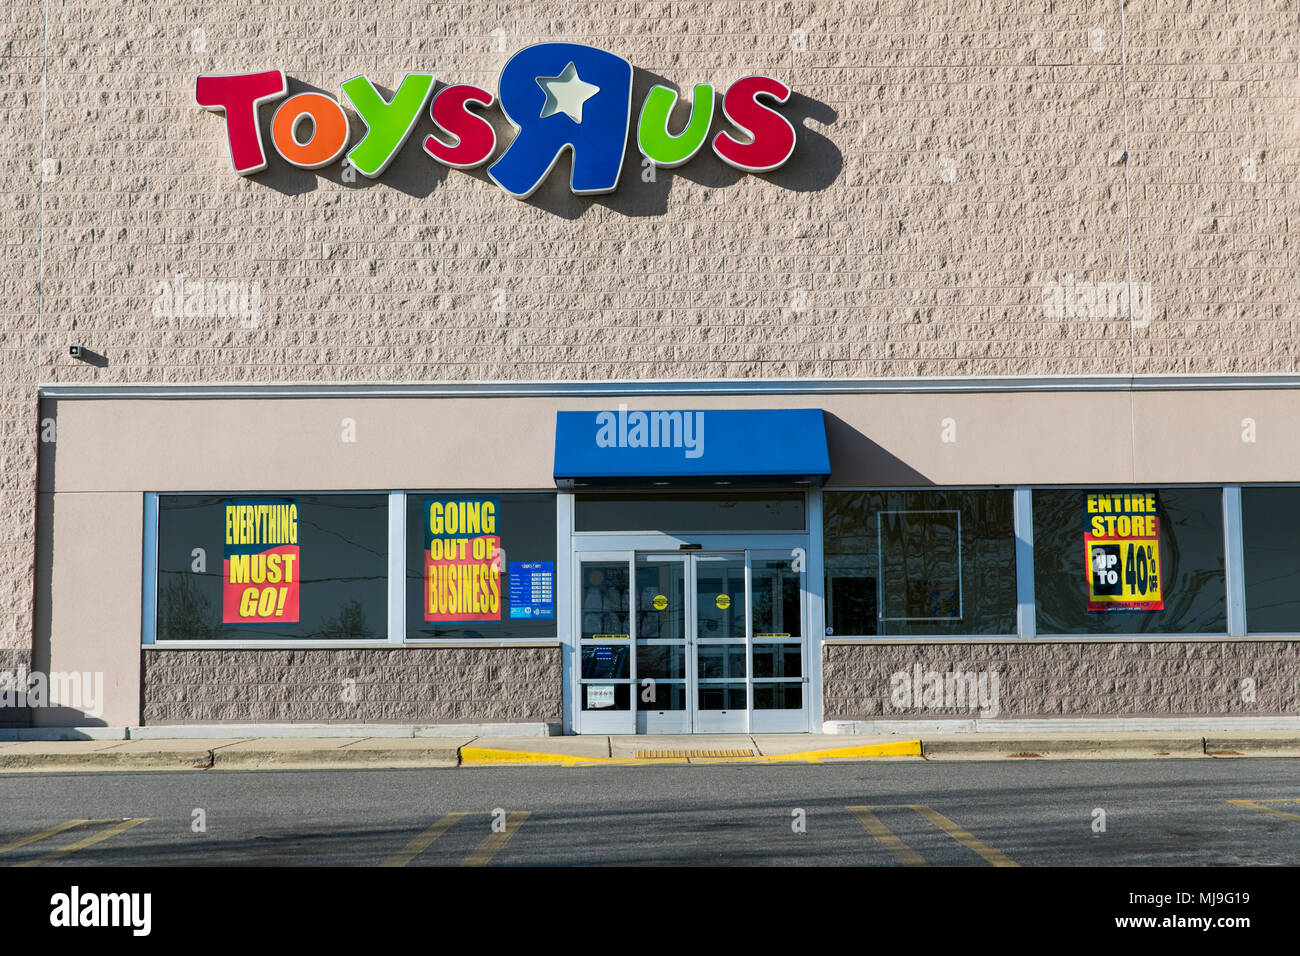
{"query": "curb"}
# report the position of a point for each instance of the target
(337, 758)
(1093, 747)
(492, 757)
(221, 759)
(1039, 746)
(1270, 745)
(52, 762)
(379, 758)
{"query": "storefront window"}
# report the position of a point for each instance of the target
(266, 567)
(480, 566)
(1131, 574)
(1270, 518)
(924, 563)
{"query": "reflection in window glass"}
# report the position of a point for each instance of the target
(695, 512)
(778, 660)
(309, 567)
(778, 696)
(604, 662)
(720, 598)
(1190, 560)
(775, 589)
(662, 695)
(919, 563)
(1271, 542)
(719, 661)
(661, 600)
(604, 588)
(661, 661)
(722, 697)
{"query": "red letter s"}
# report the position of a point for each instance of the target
(772, 136)
(475, 139)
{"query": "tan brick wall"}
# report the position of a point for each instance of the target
(14, 661)
(402, 685)
(1063, 679)
(1026, 107)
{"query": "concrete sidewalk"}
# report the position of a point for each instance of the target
(359, 752)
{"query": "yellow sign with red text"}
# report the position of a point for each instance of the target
(260, 569)
(462, 560)
(1121, 543)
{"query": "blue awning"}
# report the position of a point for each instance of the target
(644, 447)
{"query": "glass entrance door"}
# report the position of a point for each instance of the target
(693, 642)
(664, 637)
(720, 701)
(778, 664)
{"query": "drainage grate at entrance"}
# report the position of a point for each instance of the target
(668, 754)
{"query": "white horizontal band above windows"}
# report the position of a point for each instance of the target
(629, 387)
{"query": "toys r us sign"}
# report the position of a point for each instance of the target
(559, 96)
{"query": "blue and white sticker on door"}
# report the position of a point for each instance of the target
(532, 590)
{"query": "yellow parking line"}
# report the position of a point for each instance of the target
(906, 854)
(1258, 805)
(494, 842)
(886, 837)
(88, 841)
(42, 835)
(423, 841)
(963, 837)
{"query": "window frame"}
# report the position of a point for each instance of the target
(922, 638)
(397, 576)
(1026, 603)
(396, 590)
(1228, 530)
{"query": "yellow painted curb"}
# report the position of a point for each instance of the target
(484, 756)
(900, 748)
(488, 755)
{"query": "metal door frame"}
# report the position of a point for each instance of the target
(624, 548)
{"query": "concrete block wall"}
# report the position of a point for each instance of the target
(14, 661)
(401, 685)
(954, 161)
(1069, 679)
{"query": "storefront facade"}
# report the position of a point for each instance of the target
(690, 368)
(772, 584)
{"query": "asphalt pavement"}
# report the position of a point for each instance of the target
(1115, 812)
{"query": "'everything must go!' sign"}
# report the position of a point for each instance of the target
(462, 560)
(558, 96)
(260, 569)
(1122, 543)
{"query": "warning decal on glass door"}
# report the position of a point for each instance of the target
(1121, 543)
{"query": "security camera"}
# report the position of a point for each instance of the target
(74, 351)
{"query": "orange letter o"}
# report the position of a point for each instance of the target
(328, 139)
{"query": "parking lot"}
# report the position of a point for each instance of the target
(875, 813)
